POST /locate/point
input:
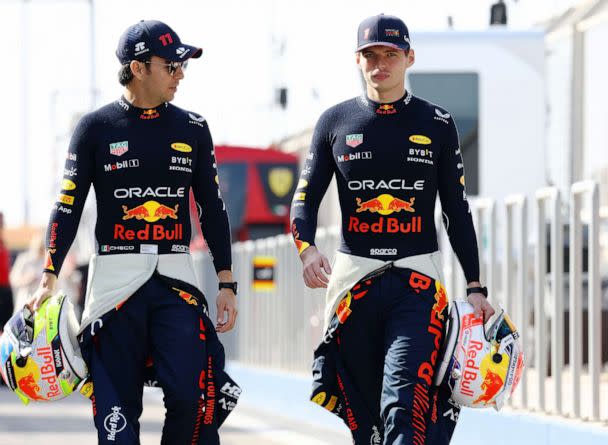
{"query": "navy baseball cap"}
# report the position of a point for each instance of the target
(386, 30)
(151, 37)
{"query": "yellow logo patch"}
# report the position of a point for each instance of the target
(180, 146)
(66, 184)
(420, 139)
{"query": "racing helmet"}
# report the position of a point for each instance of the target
(39, 354)
(482, 366)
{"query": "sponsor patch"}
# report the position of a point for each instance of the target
(380, 252)
(107, 248)
(66, 199)
(354, 140)
(119, 148)
(196, 120)
(67, 184)
(420, 139)
(354, 156)
(129, 163)
(181, 146)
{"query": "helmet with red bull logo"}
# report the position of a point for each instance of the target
(39, 355)
(481, 365)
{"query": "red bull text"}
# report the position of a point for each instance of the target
(154, 232)
(470, 370)
(385, 225)
(426, 370)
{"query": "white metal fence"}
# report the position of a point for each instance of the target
(567, 372)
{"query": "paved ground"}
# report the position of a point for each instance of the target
(69, 422)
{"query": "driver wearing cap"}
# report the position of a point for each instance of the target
(143, 308)
(392, 154)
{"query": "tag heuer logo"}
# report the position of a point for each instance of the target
(354, 140)
(119, 148)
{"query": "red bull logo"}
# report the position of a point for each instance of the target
(494, 368)
(491, 385)
(343, 311)
(48, 261)
(300, 245)
(385, 204)
(150, 211)
(30, 377)
(187, 297)
(386, 109)
(28, 385)
(149, 114)
(441, 300)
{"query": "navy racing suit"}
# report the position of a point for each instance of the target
(391, 161)
(143, 165)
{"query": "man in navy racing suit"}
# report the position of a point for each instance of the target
(392, 153)
(143, 306)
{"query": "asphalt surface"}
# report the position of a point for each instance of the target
(69, 422)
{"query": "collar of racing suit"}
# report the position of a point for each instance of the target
(144, 114)
(385, 109)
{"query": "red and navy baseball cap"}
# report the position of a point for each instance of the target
(386, 30)
(153, 38)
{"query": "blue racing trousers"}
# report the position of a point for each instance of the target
(376, 364)
(163, 324)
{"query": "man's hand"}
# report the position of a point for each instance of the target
(226, 303)
(480, 303)
(314, 265)
(44, 291)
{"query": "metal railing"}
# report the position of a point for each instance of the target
(280, 328)
(552, 196)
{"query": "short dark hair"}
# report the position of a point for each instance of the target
(125, 75)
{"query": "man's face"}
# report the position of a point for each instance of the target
(384, 67)
(156, 80)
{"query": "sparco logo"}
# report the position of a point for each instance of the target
(391, 184)
(379, 252)
(114, 423)
(158, 192)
